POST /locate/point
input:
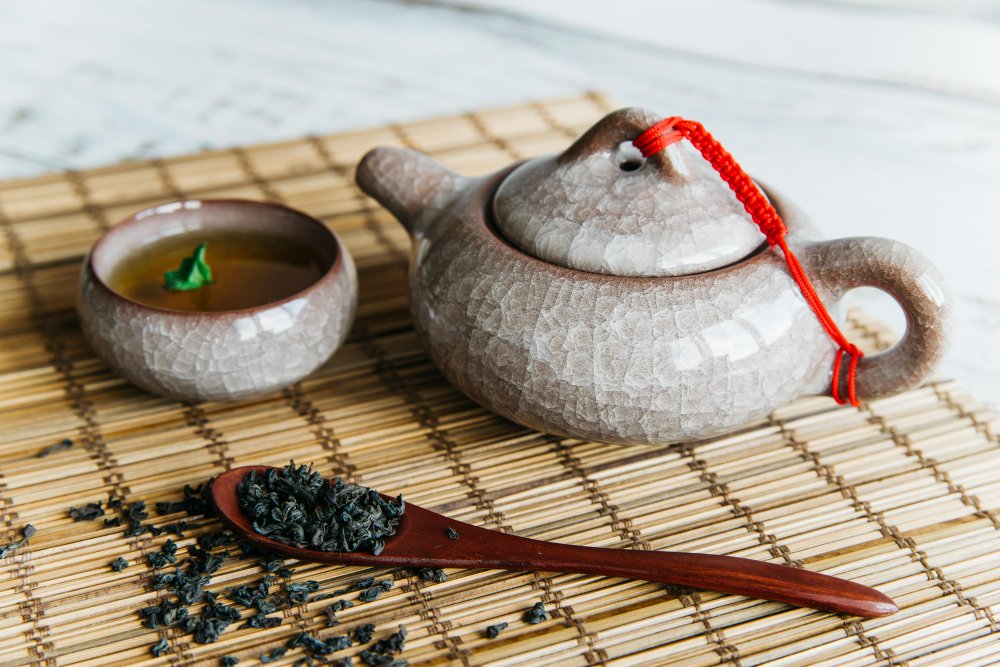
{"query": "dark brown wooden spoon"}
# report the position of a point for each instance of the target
(422, 541)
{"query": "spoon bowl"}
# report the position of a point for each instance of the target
(422, 541)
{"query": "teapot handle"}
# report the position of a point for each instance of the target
(895, 268)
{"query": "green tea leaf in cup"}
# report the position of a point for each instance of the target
(194, 273)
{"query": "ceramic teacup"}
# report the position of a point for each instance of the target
(217, 355)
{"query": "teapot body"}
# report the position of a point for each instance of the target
(611, 358)
(593, 298)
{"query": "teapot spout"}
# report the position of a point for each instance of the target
(408, 183)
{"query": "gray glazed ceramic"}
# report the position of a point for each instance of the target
(625, 358)
(220, 355)
(670, 215)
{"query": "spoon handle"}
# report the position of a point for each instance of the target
(725, 574)
(479, 547)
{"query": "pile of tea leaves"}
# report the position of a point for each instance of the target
(299, 507)
(189, 604)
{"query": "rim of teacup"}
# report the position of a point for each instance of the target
(140, 217)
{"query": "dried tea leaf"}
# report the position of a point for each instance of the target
(363, 633)
(300, 592)
(52, 449)
(493, 630)
(536, 614)
(87, 512)
(317, 647)
(435, 574)
(160, 647)
(274, 655)
(333, 609)
(26, 534)
(392, 644)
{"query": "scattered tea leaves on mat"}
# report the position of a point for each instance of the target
(58, 447)
(188, 586)
(136, 513)
(166, 555)
(354, 517)
(332, 610)
(370, 595)
(363, 633)
(493, 630)
(262, 620)
(112, 522)
(317, 647)
(361, 584)
(195, 502)
(26, 534)
(276, 654)
(275, 567)
(254, 597)
(168, 613)
(160, 647)
(536, 614)
(214, 618)
(376, 590)
(297, 506)
(392, 644)
(212, 540)
(193, 273)
(176, 528)
(435, 574)
(87, 512)
(300, 592)
(229, 661)
(452, 533)
(373, 659)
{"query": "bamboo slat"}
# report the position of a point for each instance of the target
(901, 494)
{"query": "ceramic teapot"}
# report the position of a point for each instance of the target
(600, 295)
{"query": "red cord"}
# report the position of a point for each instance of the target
(673, 129)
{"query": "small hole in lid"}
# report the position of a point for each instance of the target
(628, 157)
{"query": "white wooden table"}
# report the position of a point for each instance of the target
(880, 117)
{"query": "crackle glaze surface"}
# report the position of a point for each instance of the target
(600, 207)
(222, 355)
(638, 359)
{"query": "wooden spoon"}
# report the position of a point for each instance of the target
(422, 541)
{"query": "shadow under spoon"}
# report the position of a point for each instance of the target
(422, 541)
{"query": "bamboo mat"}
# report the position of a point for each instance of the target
(900, 494)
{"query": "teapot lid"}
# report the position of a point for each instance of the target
(601, 207)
